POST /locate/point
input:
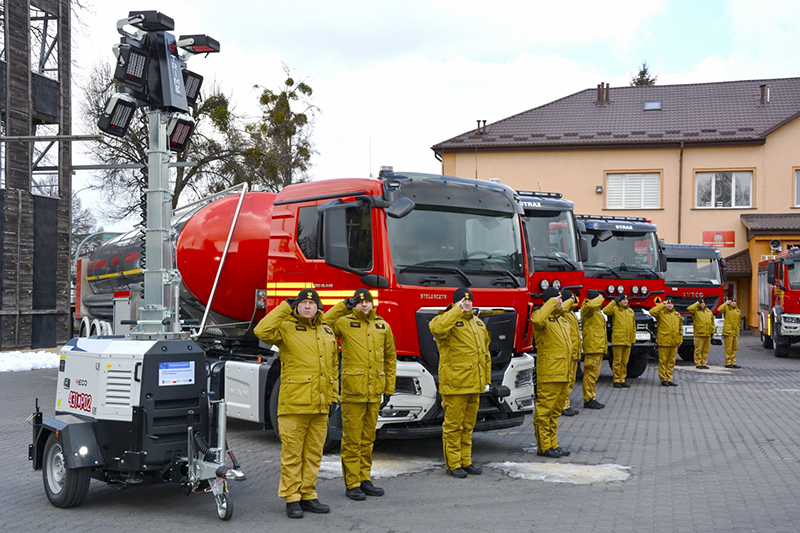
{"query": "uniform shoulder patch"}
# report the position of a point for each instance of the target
(551, 318)
(380, 325)
(480, 323)
(355, 324)
(459, 323)
(298, 327)
(328, 330)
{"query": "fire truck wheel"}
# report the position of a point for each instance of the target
(766, 341)
(64, 487)
(273, 407)
(224, 505)
(686, 353)
(579, 373)
(637, 364)
(781, 346)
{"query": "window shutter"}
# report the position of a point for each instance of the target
(614, 191)
(633, 191)
(651, 194)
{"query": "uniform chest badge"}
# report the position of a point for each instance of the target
(355, 324)
(327, 330)
(459, 323)
(300, 328)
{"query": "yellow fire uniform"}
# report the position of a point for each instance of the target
(623, 336)
(551, 331)
(595, 344)
(670, 337)
(369, 365)
(703, 323)
(309, 385)
(575, 343)
(465, 369)
(730, 331)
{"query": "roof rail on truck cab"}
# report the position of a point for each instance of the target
(691, 251)
(547, 201)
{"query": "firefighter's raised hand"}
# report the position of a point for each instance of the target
(618, 299)
(464, 304)
(350, 302)
(291, 302)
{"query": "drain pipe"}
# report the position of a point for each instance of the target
(680, 192)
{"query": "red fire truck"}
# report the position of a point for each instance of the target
(695, 272)
(625, 256)
(411, 238)
(779, 301)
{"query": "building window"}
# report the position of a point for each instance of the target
(797, 188)
(723, 189)
(633, 191)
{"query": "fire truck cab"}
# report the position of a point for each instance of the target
(779, 301)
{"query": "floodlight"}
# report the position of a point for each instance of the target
(150, 21)
(198, 44)
(132, 65)
(179, 130)
(117, 115)
(192, 83)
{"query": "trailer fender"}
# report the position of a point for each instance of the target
(78, 438)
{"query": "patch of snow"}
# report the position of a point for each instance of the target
(709, 370)
(22, 361)
(564, 472)
(382, 466)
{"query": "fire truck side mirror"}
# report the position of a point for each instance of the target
(334, 236)
(789, 263)
(724, 266)
(583, 244)
(771, 269)
(401, 207)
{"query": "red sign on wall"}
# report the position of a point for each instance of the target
(719, 239)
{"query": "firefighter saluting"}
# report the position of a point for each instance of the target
(551, 331)
(369, 365)
(623, 336)
(670, 337)
(309, 385)
(464, 373)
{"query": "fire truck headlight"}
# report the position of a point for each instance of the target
(620, 289)
(83, 451)
(610, 289)
(544, 284)
(791, 319)
(635, 289)
(557, 284)
(644, 290)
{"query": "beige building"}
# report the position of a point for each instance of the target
(702, 161)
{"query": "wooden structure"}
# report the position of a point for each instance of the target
(36, 206)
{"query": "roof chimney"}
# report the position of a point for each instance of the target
(479, 126)
(484, 127)
(607, 100)
(599, 93)
(764, 94)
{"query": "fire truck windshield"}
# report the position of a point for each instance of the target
(794, 276)
(690, 271)
(617, 252)
(471, 242)
(552, 238)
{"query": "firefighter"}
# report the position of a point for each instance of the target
(595, 346)
(730, 331)
(551, 331)
(309, 385)
(465, 370)
(369, 364)
(569, 305)
(670, 337)
(703, 325)
(623, 336)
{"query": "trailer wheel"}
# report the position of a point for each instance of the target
(64, 487)
(686, 353)
(224, 505)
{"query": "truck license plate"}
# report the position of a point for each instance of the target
(642, 336)
(688, 331)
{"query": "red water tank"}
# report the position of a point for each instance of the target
(202, 242)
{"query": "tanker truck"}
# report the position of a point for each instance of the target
(412, 239)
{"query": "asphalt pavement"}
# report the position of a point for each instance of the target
(720, 452)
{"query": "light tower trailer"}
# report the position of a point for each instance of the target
(132, 411)
(137, 408)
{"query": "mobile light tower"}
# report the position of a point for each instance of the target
(137, 407)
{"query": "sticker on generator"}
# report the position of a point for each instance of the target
(176, 373)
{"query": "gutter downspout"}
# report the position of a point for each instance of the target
(680, 192)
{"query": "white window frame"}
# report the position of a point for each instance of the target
(796, 187)
(627, 180)
(713, 175)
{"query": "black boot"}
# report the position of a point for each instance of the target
(356, 494)
(314, 506)
(473, 470)
(371, 490)
(552, 453)
(672, 384)
(459, 472)
(569, 412)
(563, 452)
(665, 383)
(293, 510)
(593, 404)
(625, 385)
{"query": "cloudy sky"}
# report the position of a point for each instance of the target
(393, 78)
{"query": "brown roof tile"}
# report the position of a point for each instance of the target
(724, 112)
(739, 264)
(771, 223)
